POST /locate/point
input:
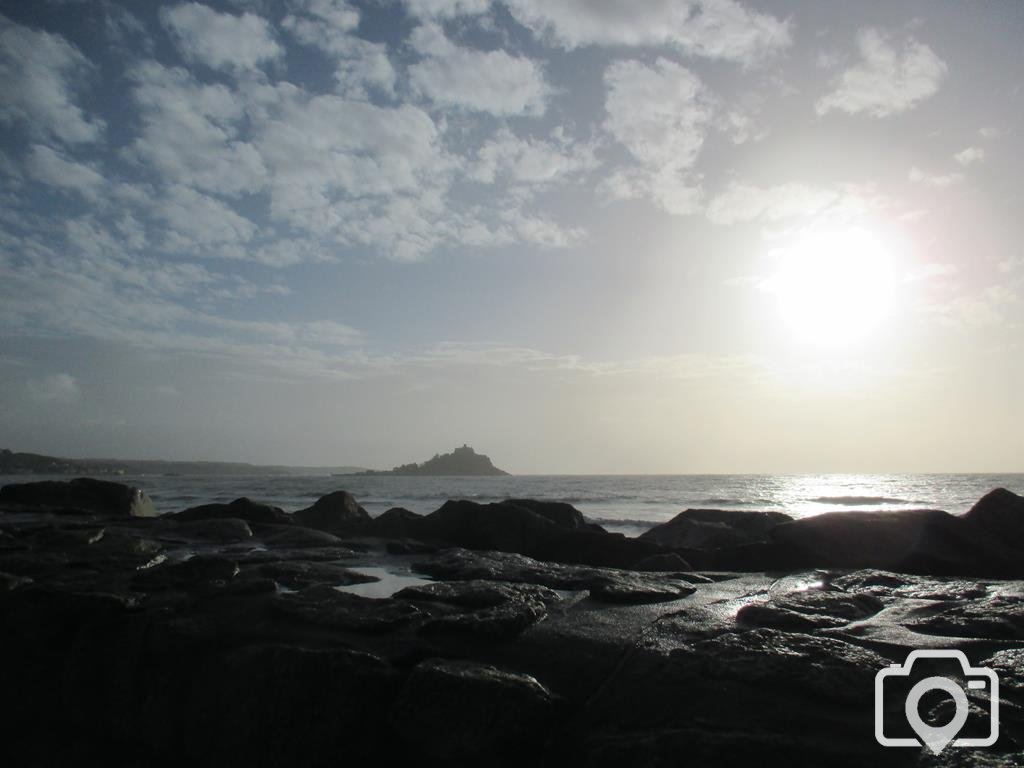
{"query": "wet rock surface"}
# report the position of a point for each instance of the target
(231, 636)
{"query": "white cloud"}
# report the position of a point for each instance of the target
(124, 28)
(54, 389)
(743, 202)
(940, 180)
(660, 114)
(542, 231)
(717, 29)
(50, 167)
(477, 81)
(330, 25)
(337, 16)
(970, 155)
(190, 132)
(887, 80)
(220, 40)
(37, 74)
(198, 222)
(336, 163)
(531, 161)
(447, 9)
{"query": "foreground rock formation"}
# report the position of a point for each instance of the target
(514, 634)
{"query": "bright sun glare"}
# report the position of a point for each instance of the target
(835, 286)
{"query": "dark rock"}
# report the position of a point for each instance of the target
(453, 712)
(66, 536)
(274, 705)
(906, 541)
(195, 573)
(999, 516)
(785, 619)
(558, 512)
(312, 554)
(764, 695)
(498, 609)
(84, 495)
(668, 562)
(507, 527)
(636, 591)
(999, 617)
(714, 528)
(892, 585)
(328, 607)
(409, 547)
(334, 512)
(809, 609)
(478, 593)
(605, 585)
(9, 581)
(398, 523)
(243, 509)
(295, 537)
(500, 621)
(223, 531)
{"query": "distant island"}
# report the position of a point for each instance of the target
(461, 461)
(13, 463)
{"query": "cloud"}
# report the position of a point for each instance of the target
(533, 162)
(742, 202)
(58, 388)
(887, 80)
(190, 132)
(123, 28)
(330, 26)
(660, 114)
(220, 40)
(447, 9)
(355, 171)
(970, 155)
(199, 223)
(48, 166)
(473, 80)
(38, 71)
(716, 29)
(940, 181)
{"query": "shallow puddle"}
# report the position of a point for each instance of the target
(390, 582)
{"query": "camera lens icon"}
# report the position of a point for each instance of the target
(937, 738)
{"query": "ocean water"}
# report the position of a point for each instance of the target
(627, 503)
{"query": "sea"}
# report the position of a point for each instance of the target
(630, 504)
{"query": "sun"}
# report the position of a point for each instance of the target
(834, 286)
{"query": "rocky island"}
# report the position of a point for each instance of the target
(462, 461)
(513, 633)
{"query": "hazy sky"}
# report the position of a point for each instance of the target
(580, 235)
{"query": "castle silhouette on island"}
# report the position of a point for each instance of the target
(461, 461)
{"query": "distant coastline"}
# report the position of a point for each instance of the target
(14, 463)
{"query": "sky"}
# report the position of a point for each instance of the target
(583, 236)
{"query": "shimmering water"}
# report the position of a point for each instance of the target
(628, 503)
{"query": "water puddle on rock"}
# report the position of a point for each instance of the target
(390, 582)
